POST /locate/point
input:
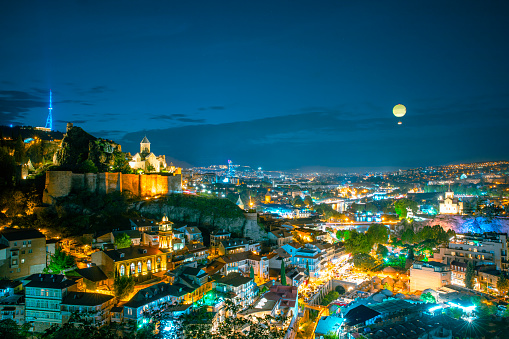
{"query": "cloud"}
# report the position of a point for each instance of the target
(328, 138)
(15, 104)
(72, 121)
(95, 90)
(196, 121)
(176, 117)
(211, 108)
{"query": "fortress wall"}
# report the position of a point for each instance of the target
(113, 182)
(90, 182)
(78, 181)
(58, 184)
(131, 183)
(101, 183)
(174, 183)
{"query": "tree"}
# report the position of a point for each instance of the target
(428, 298)
(469, 275)
(121, 164)
(298, 202)
(7, 167)
(401, 207)
(60, 261)
(358, 243)
(364, 261)
(378, 234)
(502, 284)
(88, 166)
(407, 236)
(122, 241)
(123, 286)
(283, 273)
(9, 329)
(19, 150)
(251, 272)
(307, 269)
(382, 251)
(308, 201)
(330, 297)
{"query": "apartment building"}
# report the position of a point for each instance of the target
(424, 275)
(22, 253)
(44, 294)
(486, 249)
(241, 289)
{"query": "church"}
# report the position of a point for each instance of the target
(147, 161)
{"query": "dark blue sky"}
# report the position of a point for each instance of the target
(278, 84)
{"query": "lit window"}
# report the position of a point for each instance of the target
(122, 270)
(139, 266)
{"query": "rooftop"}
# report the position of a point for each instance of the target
(86, 299)
(132, 252)
(13, 235)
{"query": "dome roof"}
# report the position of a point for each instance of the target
(386, 293)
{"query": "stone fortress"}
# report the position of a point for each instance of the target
(61, 183)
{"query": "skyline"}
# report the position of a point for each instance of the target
(281, 86)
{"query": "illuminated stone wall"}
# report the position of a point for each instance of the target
(61, 183)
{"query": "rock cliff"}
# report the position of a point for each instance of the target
(466, 224)
(227, 216)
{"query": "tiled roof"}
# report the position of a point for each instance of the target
(14, 235)
(132, 252)
(86, 299)
(93, 273)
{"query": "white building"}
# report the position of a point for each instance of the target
(146, 160)
(451, 205)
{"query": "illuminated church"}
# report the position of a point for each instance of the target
(451, 205)
(146, 160)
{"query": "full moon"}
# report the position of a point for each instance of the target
(399, 110)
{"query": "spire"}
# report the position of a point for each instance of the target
(49, 120)
(145, 140)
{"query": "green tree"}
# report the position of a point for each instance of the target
(60, 261)
(88, 166)
(308, 201)
(150, 168)
(401, 207)
(251, 272)
(308, 272)
(7, 167)
(9, 329)
(428, 298)
(382, 251)
(123, 286)
(358, 243)
(407, 236)
(122, 241)
(283, 273)
(364, 261)
(502, 284)
(298, 202)
(469, 275)
(378, 234)
(121, 163)
(330, 297)
(19, 150)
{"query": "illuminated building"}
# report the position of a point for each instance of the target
(95, 307)
(241, 289)
(138, 261)
(147, 161)
(44, 294)
(451, 205)
(425, 275)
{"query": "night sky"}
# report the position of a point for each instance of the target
(277, 84)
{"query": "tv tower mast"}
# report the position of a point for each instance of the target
(49, 120)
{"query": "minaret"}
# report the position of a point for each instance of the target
(49, 120)
(145, 146)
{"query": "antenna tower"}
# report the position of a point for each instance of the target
(49, 120)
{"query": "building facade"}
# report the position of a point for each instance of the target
(22, 253)
(425, 275)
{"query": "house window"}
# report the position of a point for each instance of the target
(15, 243)
(139, 266)
(122, 270)
(30, 251)
(22, 261)
(149, 265)
(132, 268)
